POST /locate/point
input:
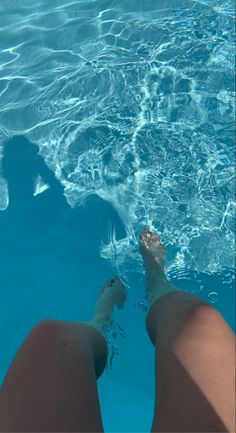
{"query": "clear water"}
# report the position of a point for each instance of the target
(131, 104)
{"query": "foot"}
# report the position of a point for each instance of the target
(111, 294)
(152, 253)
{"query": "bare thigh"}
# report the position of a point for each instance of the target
(51, 383)
(194, 364)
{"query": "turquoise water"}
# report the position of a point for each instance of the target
(131, 105)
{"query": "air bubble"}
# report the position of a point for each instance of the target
(143, 305)
(213, 297)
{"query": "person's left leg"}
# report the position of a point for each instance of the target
(51, 383)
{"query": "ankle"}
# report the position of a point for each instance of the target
(157, 286)
(156, 281)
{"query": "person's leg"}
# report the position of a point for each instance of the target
(195, 354)
(51, 383)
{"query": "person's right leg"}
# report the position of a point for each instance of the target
(51, 383)
(195, 354)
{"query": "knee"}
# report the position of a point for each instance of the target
(46, 326)
(46, 331)
(204, 314)
(206, 321)
(179, 311)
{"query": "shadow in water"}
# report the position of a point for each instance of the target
(49, 253)
(49, 259)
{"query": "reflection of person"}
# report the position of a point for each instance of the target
(51, 384)
(33, 222)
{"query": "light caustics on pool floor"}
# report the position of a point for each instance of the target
(132, 101)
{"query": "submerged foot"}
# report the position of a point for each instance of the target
(152, 253)
(111, 294)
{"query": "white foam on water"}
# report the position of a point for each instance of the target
(40, 186)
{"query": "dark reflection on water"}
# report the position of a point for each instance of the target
(49, 253)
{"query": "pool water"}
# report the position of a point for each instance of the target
(131, 107)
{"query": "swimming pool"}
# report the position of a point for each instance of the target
(132, 107)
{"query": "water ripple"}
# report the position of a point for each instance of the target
(136, 105)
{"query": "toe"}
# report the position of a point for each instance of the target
(148, 238)
(144, 232)
(115, 280)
